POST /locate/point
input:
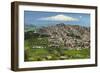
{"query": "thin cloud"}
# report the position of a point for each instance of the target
(59, 17)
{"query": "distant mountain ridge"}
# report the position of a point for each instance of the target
(30, 27)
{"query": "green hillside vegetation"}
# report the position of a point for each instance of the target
(57, 42)
(37, 49)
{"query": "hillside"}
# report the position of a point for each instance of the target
(57, 42)
(68, 36)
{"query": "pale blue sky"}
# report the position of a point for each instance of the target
(39, 18)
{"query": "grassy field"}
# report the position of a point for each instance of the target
(37, 49)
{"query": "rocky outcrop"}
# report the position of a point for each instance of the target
(67, 36)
